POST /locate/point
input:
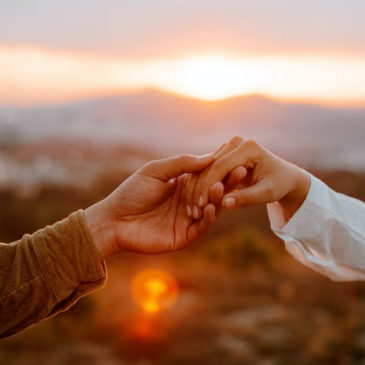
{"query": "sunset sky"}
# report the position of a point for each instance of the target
(301, 50)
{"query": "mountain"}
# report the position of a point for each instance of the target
(314, 136)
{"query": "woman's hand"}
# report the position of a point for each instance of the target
(268, 179)
(230, 182)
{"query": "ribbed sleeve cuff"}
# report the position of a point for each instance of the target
(69, 262)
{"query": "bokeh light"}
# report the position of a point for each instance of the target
(154, 290)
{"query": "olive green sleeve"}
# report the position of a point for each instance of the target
(47, 272)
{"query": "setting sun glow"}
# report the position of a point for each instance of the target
(210, 78)
(30, 75)
(154, 290)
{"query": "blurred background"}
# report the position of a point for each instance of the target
(91, 90)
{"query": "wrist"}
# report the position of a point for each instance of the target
(101, 230)
(294, 199)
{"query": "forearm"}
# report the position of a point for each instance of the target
(46, 272)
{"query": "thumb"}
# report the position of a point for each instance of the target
(256, 194)
(169, 168)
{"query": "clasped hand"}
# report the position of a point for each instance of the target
(168, 204)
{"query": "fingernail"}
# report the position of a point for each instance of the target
(201, 203)
(229, 202)
(195, 212)
(188, 210)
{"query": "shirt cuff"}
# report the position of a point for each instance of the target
(68, 258)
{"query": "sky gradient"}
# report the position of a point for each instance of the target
(286, 49)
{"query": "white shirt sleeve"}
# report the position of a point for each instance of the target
(327, 233)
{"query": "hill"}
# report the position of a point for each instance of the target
(314, 136)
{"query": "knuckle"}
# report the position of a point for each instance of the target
(236, 140)
(251, 144)
(252, 149)
(149, 165)
(185, 159)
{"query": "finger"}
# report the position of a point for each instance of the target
(228, 146)
(195, 208)
(175, 166)
(202, 199)
(234, 178)
(260, 193)
(216, 193)
(188, 192)
(197, 229)
(192, 210)
(217, 172)
(210, 214)
(197, 212)
(243, 155)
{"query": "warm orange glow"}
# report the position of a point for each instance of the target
(31, 75)
(210, 77)
(154, 290)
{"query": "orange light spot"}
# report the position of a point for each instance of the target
(151, 306)
(156, 287)
(154, 290)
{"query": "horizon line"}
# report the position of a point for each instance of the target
(336, 104)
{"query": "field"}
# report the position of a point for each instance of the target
(242, 298)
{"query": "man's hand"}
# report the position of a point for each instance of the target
(147, 212)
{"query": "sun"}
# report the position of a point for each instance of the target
(210, 77)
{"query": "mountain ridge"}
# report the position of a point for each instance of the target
(171, 124)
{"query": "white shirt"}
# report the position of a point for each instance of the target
(327, 233)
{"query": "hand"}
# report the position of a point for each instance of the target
(230, 182)
(268, 179)
(147, 212)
